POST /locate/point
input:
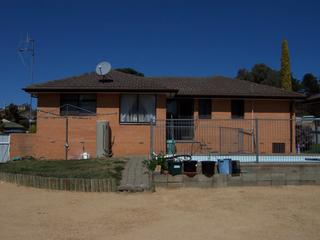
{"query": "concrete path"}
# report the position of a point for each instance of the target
(134, 177)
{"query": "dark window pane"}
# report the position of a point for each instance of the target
(129, 108)
(237, 108)
(278, 147)
(205, 108)
(78, 104)
(146, 108)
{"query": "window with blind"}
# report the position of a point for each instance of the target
(137, 108)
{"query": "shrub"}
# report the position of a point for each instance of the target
(314, 148)
(154, 161)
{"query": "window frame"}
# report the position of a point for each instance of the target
(137, 110)
(206, 116)
(79, 113)
(242, 110)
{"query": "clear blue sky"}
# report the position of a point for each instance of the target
(164, 37)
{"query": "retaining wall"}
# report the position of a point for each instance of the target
(251, 175)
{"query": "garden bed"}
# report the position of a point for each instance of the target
(65, 175)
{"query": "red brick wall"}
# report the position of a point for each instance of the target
(49, 141)
(22, 144)
(130, 139)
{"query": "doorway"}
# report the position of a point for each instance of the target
(180, 121)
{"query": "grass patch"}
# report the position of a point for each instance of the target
(91, 169)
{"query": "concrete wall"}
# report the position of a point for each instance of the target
(252, 175)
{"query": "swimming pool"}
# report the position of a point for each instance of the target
(261, 158)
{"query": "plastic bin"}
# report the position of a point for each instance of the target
(236, 170)
(190, 168)
(208, 168)
(174, 167)
(171, 147)
(225, 166)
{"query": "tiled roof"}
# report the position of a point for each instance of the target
(315, 97)
(183, 86)
(114, 81)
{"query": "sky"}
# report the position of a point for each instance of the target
(156, 37)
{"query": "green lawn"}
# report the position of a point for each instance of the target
(94, 168)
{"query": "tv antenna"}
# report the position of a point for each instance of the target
(103, 68)
(26, 49)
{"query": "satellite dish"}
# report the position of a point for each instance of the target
(103, 68)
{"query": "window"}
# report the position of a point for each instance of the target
(278, 147)
(137, 108)
(237, 108)
(205, 108)
(78, 104)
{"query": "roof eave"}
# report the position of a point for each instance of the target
(241, 96)
(94, 90)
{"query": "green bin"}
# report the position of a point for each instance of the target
(174, 167)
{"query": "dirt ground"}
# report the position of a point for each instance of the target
(291, 212)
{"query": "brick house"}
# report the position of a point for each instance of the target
(129, 103)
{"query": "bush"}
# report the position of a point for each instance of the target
(33, 128)
(154, 161)
(314, 149)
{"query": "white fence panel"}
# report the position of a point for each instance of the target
(4, 148)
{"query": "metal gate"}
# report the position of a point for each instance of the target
(4, 148)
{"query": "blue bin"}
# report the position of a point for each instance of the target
(225, 166)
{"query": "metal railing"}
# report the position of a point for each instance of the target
(249, 140)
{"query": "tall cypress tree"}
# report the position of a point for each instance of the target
(285, 72)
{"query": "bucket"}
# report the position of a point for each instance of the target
(208, 168)
(190, 168)
(236, 168)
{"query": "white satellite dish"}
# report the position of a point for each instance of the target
(103, 68)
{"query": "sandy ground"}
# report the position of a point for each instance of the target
(225, 213)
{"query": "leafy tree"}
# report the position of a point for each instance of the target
(285, 71)
(310, 84)
(18, 114)
(11, 113)
(260, 73)
(130, 71)
(296, 84)
(244, 74)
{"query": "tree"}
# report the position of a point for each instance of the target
(285, 71)
(130, 71)
(310, 84)
(296, 84)
(260, 73)
(18, 114)
(243, 74)
(11, 113)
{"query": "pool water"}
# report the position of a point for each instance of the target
(261, 158)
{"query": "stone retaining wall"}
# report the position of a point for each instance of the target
(251, 175)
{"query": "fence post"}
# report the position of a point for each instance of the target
(220, 137)
(151, 137)
(257, 140)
